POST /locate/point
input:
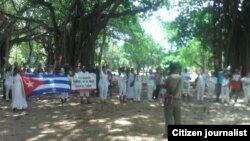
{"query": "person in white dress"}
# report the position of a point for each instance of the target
(186, 77)
(150, 85)
(130, 83)
(18, 96)
(225, 89)
(137, 86)
(200, 86)
(211, 83)
(122, 80)
(103, 85)
(246, 87)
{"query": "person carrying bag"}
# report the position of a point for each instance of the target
(172, 102)
(169, 97)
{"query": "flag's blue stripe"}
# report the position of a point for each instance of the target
(49, 90)
(56, 81)
(44, 75)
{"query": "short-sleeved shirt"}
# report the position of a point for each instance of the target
(173, 82)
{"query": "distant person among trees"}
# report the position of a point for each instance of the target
(130, 83)
(8, 83)
(103, 84)
(220, 77)
(64, 95)
(246, 87)
(225, 90)
(38, 69)
(83, 93)
(235, 85)
(150, 85)
(122, 81)
(110, 78)
(211, 84)
(200, 86)
(18, 95)
(186, 83)
(157, 79)
(137, 86)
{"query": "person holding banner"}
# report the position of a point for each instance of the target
(103, 84)
(18, 96)
(64, 95)
(83, 93)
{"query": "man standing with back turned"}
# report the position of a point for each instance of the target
(172, 100)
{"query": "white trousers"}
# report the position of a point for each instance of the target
(225, 91)
(150, 90)
(211, 91)
(7, 91)
(64, 95)
(103, 91)
(246, 90)
(137, 92)
(122, 89)
(84, 93)
(200, 93)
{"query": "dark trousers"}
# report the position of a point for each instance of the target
(234, 92)
(218, 91)
(156, 92)
(172, 113)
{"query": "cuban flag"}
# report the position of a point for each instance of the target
(45, 83)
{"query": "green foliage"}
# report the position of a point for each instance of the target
(19, 53)
(190, 35)
(38, 21)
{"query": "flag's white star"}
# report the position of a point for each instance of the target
(30, 84)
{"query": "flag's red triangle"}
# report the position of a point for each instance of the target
(30, 84)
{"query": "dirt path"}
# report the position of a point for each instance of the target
(47, 120)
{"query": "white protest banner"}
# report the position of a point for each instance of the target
(83, 81)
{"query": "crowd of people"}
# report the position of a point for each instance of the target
(172, 88)
(13, 89)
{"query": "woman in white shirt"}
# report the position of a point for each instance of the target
(103, 85)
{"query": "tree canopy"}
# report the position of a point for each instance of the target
(67, 29)
(207, 33)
